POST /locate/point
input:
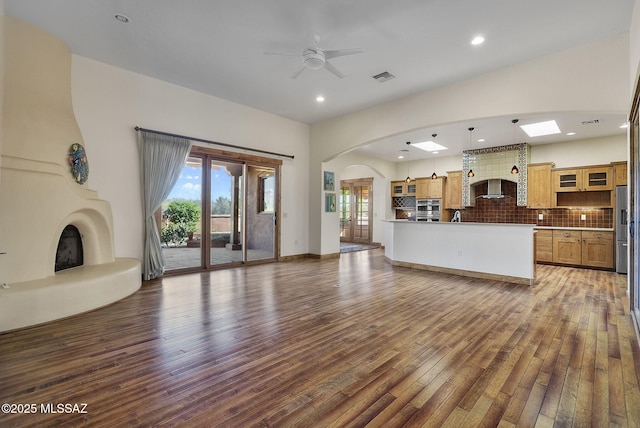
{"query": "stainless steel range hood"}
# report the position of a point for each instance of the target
(494, 189)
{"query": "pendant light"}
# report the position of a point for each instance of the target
(470, 173)
(515, 169)
(408, 179)
(434, 176)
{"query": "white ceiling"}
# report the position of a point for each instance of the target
(217, 47)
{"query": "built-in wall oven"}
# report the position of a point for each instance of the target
(428, 209)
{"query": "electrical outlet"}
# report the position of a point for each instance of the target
(583, 216)
(540, 216)
(459, 253)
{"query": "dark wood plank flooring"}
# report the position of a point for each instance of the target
(339, 342)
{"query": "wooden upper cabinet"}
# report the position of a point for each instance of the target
(402, 188)
(583, 179)
(453, 199)
(567, 180)
(539, 193)
(422, 188)
(597, 178)
(620, 173)
(429, 188)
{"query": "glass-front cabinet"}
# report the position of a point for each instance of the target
(402, 188)
(583, 179)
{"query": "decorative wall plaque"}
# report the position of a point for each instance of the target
(78, 162)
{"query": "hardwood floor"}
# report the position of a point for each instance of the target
(338, 342)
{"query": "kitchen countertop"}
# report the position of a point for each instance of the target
(591, 229)
(468, 223)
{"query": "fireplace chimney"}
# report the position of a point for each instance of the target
(39, 196)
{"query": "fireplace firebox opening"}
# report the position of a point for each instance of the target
(69, 253)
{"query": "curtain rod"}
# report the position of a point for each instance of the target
(137, 128)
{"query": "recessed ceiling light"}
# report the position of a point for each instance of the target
(481, 140)
(319, 98)
(122, 18)
(624, 125)
(571, 133)
(540, 129)
(477, 40)
(400, 157)
(429, 146)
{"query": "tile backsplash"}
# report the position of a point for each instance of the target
(506, 211)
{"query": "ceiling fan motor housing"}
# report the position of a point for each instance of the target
(313, 59)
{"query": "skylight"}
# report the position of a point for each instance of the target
(540, 129)
(477, 40)
(429, 146)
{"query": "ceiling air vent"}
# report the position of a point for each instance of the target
(590, 122)
(384, 76)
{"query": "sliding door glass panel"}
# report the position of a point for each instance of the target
(225, 227)
(181, 221)
(345, 213)
(260, 212)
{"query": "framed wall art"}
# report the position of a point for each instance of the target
(330, 202)
(329, 178)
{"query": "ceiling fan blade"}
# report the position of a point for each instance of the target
(298, 71)
(332, 69)
(281, 53)
(341, 52)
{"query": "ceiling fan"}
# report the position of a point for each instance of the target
(315, 58)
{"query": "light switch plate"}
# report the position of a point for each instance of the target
(540, 216)
(583, 216)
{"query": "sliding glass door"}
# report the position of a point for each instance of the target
(181, 218)
(225, 216)
(232, 202)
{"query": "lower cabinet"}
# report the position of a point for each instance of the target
(580, 248)
(597, 249)
(567, 247)
(544, 245)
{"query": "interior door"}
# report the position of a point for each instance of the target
(361, 225)
(356, 207)
(345, 212)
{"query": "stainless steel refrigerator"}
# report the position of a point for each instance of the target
(621, 229)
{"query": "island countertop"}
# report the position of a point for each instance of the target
(502, 251)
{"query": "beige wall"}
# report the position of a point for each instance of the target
(109, 102)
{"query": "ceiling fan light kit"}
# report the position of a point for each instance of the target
(313, 60)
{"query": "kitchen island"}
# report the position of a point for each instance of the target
(499, 251)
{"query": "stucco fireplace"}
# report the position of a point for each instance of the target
(39, 197)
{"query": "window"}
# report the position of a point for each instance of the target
(266, 193)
